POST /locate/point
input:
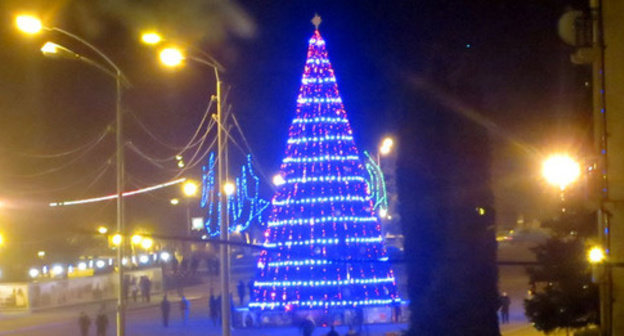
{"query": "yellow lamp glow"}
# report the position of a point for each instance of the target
(171, 57)
(596, 255)
(117, 239)
(102, 229)
(147, 243)
(1, 240)
(28, 24)
(50, 48)
(229, 188)
(387, 142)
(561, 170)
(174, 201)
(190, 188)
(151, 38)
(136, 239)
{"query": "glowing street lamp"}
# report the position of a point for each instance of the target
(229, 188)
(171, 57)
(174, 201)
(596, 255)
(561, 170)
(190, 188)
(147, 243)
(102, 230)
(136, 239)
(386, 146)
(117, 239)
(151, 38)
(28, 24)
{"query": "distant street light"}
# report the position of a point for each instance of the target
(171, 57)
(151, 38)
(117, 239)
(561, 170)
(28, 24)
(136, 239)
(596, 255)
(386, 146)
(174, 201)
(190, 188)
(147, 243)
(229, 188)
(102, 230)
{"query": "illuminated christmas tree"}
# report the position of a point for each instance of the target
(323, 239)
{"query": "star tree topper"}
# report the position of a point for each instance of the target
(316, 21)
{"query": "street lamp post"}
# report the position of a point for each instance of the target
(32, 25)
(173, 57)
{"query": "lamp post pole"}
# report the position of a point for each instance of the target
(121, 330)
(223, 225)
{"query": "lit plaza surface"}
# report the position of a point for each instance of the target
(146, 319)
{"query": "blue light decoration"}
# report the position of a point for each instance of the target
(245, 206)
(323, 242)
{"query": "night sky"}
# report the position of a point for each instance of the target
(529, 91)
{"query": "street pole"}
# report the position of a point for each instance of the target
(600, 140)
(224, 248)
(121, 325)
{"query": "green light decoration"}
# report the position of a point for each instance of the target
(376, 182)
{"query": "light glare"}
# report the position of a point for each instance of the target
(278, 180)
(147, 243)
(50, 48)
(151, 38)
(190, 188)
(596, 255)
(28, 24)
(561, 170)
(229, 188)
(171, 57)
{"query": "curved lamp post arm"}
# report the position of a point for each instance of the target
(117, 71)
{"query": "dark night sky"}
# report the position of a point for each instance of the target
(529, 90)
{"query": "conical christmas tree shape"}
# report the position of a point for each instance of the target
(323, 241)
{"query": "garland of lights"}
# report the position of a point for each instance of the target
(245, 206)
(113, 196)
(323, 241)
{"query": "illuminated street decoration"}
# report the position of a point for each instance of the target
(114, 196)
(323, 241)
(376, 184)
(245, 206)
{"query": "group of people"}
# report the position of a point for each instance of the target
(165, 308)
(131, 286)
(101, 323)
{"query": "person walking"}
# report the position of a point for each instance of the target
(332, 332)
(101, 323)
(241, 291)
(185, 307)
(307, 327)
(213, 309)
(84, 322)
(505, 302)
(250, 287)
(165, 307)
